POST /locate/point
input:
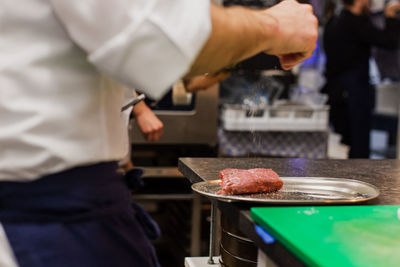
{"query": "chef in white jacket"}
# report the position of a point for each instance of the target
(62, 64)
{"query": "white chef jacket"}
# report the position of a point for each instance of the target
(60, 106)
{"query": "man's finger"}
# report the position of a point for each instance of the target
(291, 60)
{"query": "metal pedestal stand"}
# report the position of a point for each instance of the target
(212, 231)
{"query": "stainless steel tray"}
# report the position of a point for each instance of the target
(300, 190)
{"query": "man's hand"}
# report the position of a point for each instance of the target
(150, 126)
(296, 32)
(288, 30)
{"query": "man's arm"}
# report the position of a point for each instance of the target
(288, 30)
(150, 44)
(203, 82)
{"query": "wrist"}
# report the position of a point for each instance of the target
(139, 108)
(256, 30)
(269, 31)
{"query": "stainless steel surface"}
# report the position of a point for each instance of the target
(300, 190)
(227, 259)
(239, 246)
(187, 127)
(212, 232)
(387, 99)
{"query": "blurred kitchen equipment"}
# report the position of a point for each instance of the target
(186, 124)
(255, 88)
(283, 116)
(179, 94)
(306, 96)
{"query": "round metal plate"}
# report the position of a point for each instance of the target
(300, 190)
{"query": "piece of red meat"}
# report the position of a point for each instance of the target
(237, 181)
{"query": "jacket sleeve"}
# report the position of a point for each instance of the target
(145, 44)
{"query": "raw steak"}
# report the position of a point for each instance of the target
(236, 181)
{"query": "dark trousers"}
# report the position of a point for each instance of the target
(352, 99)
(80, 217)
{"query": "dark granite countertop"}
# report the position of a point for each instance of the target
(384, 174)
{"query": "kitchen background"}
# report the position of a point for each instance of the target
(260, 110)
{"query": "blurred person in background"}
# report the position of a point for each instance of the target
(62, 133)
(348, 38)
(149, 124)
